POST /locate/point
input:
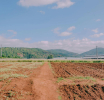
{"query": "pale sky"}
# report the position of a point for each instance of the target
(73, 25)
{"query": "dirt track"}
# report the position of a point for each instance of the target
(45, 85)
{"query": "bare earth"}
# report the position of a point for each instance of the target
(40, 85)
(44, 84)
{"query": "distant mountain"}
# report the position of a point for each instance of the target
(93, 52)
(11, 52)
(62, 53)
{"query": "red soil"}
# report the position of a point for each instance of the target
(45, 85)
(82, 92)
(76, 69)
(39, 86)
(77, 89)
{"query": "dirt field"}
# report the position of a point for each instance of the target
(60, 81)
(80, 81)
(78, 69)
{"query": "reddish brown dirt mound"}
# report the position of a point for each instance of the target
(82, 92)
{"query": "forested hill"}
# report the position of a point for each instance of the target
(33, 53)
(93, 52)
(64, 53)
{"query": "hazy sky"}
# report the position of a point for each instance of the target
(73, 25)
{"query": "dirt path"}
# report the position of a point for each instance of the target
(44, 84)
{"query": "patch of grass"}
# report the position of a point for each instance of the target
(71, 61)
(99, 61)
(51, 68)
(28, 65)
(24, 61)
(83, 78)
(40, 61)
(32, 65)
(5, 76)
(80, 61)
(6, 69)
(59, 97)
(103, 79)
(59, 79)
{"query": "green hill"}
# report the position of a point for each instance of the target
(93, 52)
(62, 53)
(10, 52)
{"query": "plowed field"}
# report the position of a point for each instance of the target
(83, 81)
(82, 92)
(78, 69)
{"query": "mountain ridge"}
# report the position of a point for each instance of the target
(100, 51)
(11, 52)
(21, 52)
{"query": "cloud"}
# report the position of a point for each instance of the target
(27, 39)
(44, 42)
(12, 31)
(73, 45)
(65, 34)
(63, 4)
(98, 20)
(71, 28)
(56, 30)
(95, 30)
(98, 35)
(59, 3)
(42, 12)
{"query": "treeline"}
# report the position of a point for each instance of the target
(9, 52)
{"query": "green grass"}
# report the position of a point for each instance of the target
(82, 78)
(71, 61)
(59, 79)
(98, 61)
(59, 97)
(22, 60)
(51, 67)
(103, 79)
(80, 61)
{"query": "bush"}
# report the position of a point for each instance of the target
(50, 57)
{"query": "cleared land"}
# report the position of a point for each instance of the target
(80, 81)
(16, 80)
(51, 81)
(27, 81)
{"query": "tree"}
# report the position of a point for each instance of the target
(50, 57)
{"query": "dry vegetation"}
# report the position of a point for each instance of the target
(15, 79)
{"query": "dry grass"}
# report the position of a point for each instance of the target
(5, 76)
(11, 69)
